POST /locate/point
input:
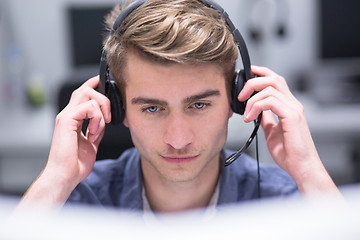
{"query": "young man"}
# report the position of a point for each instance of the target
(174, 62)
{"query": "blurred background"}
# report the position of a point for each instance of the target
(48, 48)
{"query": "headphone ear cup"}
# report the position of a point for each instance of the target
(117, 110)
(237, 86)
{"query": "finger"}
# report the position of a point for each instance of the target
(262, 71)
(92, 82)
(95, 130)
(87, 92)
(100, 127)
(260, 83)
(84, 92)
(266, 93)
(70, 121)
(268, 121)
(96, 122)
(77, 95)
(267, 102)
(89, 110)
(97, 138)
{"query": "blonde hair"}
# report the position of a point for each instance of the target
(171, 31)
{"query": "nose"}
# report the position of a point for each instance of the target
(178, 132)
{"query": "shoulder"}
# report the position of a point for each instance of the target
(111, 181)
(114, 169)
(242, 175)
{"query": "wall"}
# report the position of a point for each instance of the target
(39, 31)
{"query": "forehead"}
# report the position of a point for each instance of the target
(142, 73)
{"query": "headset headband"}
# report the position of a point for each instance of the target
(236, 33)
(237, 36)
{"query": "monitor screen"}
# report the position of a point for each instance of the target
(86, 30)
(339, 29)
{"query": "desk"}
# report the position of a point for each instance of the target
(336, 133)
(24, 145)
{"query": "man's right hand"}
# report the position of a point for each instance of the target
(72, 154)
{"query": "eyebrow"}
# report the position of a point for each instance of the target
(206, 94)
(144, 100)
(154, 101)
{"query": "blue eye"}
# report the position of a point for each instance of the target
(152, 109)
(199, 105)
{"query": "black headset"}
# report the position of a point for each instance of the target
(107, 85)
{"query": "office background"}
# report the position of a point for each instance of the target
(46, 44)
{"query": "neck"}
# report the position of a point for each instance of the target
(166, 195)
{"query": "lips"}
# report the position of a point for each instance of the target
(180, 159)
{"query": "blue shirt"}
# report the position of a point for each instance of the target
(118, 183)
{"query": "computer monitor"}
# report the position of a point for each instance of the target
(86, 32)
(339, 29)
(338, 48)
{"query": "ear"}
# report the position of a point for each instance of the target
(231, 112)
(125, 122)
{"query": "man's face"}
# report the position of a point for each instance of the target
(178, 116)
